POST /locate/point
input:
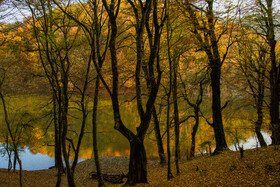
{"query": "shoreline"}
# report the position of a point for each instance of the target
(258, 167)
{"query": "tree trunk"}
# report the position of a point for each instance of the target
(176, 116)
(20, 167)
(259, 135)
(216, 108)
(15, 160)
(215, 63)
(58, 155)
(137, 163)
(194, 130)
(94, 135)
(64, 122)
(274, 73)
(9, 152)
(259, 122)
(274, 98)
(158, 137)
(210, 150)
(70, 174)
(169, 173)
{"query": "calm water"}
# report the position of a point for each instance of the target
(38, 161)
(30, 161)
(37, 154)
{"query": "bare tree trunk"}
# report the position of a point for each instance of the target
(170, 62)
(274, 101)
(216, 108)
(58, 150)
(269, 27)
(20, 167)
(259, 135)
(194, 130)
(169, 173)
(176, 116)
(94, 134)
(15, 161)
(260, 99)
(137, 163)
(64, 122)
(10, 164)
(215, 65)
(158, 137)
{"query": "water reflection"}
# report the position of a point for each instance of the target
(252, 142)
(30, 161)
(38, 161)
(38, 154)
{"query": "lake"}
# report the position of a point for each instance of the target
(36, 141)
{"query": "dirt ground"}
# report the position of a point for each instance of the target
(258, 168)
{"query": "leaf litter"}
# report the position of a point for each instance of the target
(258, 167)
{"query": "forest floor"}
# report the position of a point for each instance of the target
(258, 167)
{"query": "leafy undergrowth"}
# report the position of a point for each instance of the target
(258, 168)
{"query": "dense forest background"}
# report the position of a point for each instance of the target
(167, 68)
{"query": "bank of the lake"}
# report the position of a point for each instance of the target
(259, 167)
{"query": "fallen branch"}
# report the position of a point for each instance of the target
(115, 179)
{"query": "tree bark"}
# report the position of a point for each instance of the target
(94, 134)
(259, 135)
(216, 107)
(259, 100)
(216, 64)
(64, 122)
(137, 163)
(267, 11)
(158, 137)
(170, 63)
(194, 130)
(176, 116)
(58, 150)
(169, 173)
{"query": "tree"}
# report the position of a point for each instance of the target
(205, 29)
(169, 91)
(173, 68)
(176, 112)
(48, 62)
(56, 38)
(10, 70)
(142, 22)
(13, 135)
(195, 106)
(252, 63)
(138, 161)
(266, 23)
(93, 28)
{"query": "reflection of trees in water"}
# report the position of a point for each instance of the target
(39, 139)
